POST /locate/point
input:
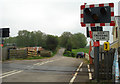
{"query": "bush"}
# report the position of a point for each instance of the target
(45, 53)
(35, 57)
(68, 53)
(73, 54)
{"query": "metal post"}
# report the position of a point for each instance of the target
(96, 63)
(107, 65)
(0, 54)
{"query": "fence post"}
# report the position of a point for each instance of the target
(96, 63)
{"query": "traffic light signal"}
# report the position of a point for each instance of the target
(106, 46)
(1, 45)
(5, 32)
(97, 15)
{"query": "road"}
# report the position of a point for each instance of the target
(55, 69)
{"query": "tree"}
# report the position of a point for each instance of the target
(23, 38)
(69, 45)
(78, 40)
(69, 41)
(51, 42)
(29, 39)
(39, 39)
(64, 38)
(10, 41)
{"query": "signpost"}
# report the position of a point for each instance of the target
(4, 32)
(97, 15)
(101, 35)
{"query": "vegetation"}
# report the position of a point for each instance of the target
(35, 57)
(50, 42)
(32, 39)
(85, 50)
(68, 53)
(72, 41)
(74, 52)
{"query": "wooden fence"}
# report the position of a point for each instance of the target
(105, 64)
(32, 53)
(23, 53)
(14, 53)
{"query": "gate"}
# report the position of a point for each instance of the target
(106, 59)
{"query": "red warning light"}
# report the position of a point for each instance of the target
(1, 45)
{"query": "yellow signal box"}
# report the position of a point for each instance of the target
(106, 46)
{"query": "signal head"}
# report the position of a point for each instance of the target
(87, 11)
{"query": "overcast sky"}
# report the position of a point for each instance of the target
(49, 16)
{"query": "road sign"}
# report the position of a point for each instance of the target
(106, 46)
(97, 15)
(93, 29)
(97, 43)
(101, 35)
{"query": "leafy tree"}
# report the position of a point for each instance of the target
(51, 42)
(9, 41)
(64, 38)
(69, 41)
(23, 38)
(69, 45)
(79, 40)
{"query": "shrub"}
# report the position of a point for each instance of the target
(45, 53)
(68, 53)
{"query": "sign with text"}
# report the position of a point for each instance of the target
(101, 35)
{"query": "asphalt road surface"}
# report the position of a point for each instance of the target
(55, 69)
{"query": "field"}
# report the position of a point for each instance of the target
(85, 50)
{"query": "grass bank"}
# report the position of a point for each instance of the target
(85, 50)
(74, 52)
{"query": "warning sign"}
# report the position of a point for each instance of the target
(101, 35)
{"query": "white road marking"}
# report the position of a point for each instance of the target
(73, 78)
(92, 70)
(81, 69)
(8, 72)
(18, 71)
(90, 74)
(45, 62)
(11, 74)
(31, 67)
(28, 66)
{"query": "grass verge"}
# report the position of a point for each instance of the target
(85, 50)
